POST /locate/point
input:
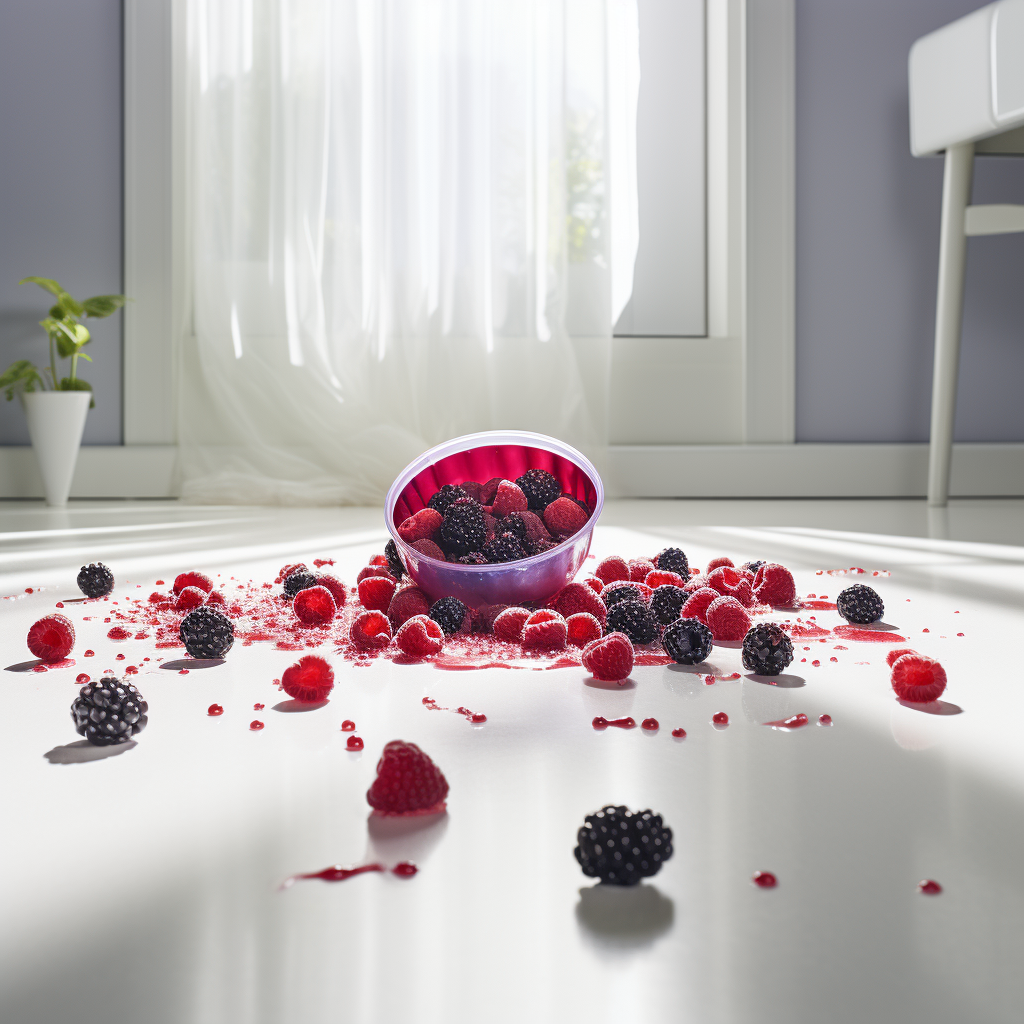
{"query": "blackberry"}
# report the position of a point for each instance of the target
(95, 580)
(687, 641)
(207, 633)
(540, 488)
(463, 528)
(673, 560)
(621, 846)
(767, 649)
(449, 613)
(620, 590)
(667, 602)
(395, 563)
(515, 523)
(445, 497)
(109, 711)
(634, 619)
(298, 580)
(473, 558)
(860, 604)
(504, 547)
(752, 566)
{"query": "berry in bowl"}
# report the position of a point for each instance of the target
(500, 517)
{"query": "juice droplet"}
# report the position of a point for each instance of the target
(256, 725)
(824, 719)
(478, 718)
(159, 583)
(650, 724)
(258, 707)
(765, 880)
(90, 654)
(81, 678)
(720, 718)
(348, 725)
(182, 671)
(119, 657)
(405, 869)
(354, 743)
(680, 734)
(59, 604)
(214, 709)
(929, 887)
(793, 722)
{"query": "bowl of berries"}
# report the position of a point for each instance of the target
(499, 517)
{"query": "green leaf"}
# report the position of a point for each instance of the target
(82, 334)
(45, 282)
(21, 375)
(82, 355)
(67, 384)
(103, 305)
(71, 307)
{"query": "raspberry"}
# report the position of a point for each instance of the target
(595, 584)
(727, 619)
(716, 563)
(896, 653)
(508, 625)
(509, 498)
(639, 569)
(445, 498)
(298, 580)
(917, 678)
(695, 583)
(367, 572)
(420, 637)
(661, 578)
(51, 638)
(620, 847)
(732, 583)
(673, 560)
(505, 547)
(95, 580)
(463, 528)
(286, 570)
(582, 628)
(860, 604)
(540, 488)
(473, 489)
(315, 606)
(421, 526)
(395, 563)
(109, 712)
(620, 590)
(767, 649)
(407, 781)
(484, 616)
(634, 619)
(667, 602)
(545, 629)
(687, 641)
(190, 597)
(610, 658)
(335, 586)
(489, 490)
(206, 633)
(611, 569)
(371, 630)
(376, 592)
(406, 603)
(429, 548)
(451, 615)
(774, 585)
(563, 517)
(578, 597)
(193, 579)
(310, 679)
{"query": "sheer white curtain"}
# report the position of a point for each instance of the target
(397, 211)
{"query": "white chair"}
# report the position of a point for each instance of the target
(966, 97)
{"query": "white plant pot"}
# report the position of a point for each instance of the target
(56, 420)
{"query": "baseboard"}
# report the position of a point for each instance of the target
(115, 471)
(808, 471)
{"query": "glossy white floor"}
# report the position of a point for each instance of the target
(144, 886)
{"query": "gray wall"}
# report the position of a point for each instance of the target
(60, 186)
(867, 242)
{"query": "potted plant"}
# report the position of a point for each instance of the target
(56, 404)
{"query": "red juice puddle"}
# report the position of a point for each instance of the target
(258, 707)
(804, 631)
(764, 880)
(650, 724)
(929, 887)
(679, 734)
(819, 606)
(651, 658)
(878, 636)
(470, 716)
(336, 873)
(619, 723)
(793, 722)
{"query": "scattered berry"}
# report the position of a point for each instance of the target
(578, 597)
(192, 579)
(207, 633)
(407, 780)
(422, 526)
(282, 574)
(582, 628)
(109, 712)
(661, 578)
(633, 618)
(367, 572)
(620, 847)
(451, 615)
(687, 641)
(673, 560)
(896, 653)
(918, 679)
(667, 602)
(767, 649)
(860, 604)
(309, 680)
(545, 629)
(395, 563)
(697, 604)
(621, 590)
(95, 580)
(445, 498)
(563, 517)
(189, 598)
(51, 637)
(639, 569)
(611, 569)
(371, 630)
(732, 583)
(335, 586)
(509, 497)
(508, 625)
(540, 488)
(315, 606)
(420, 636)
(727, 619)
(716, 563)
(610, 658)
(774, 585)
(407, 602)
(298, 580)
(376, 592)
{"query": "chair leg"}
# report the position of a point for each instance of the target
(956, 195)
